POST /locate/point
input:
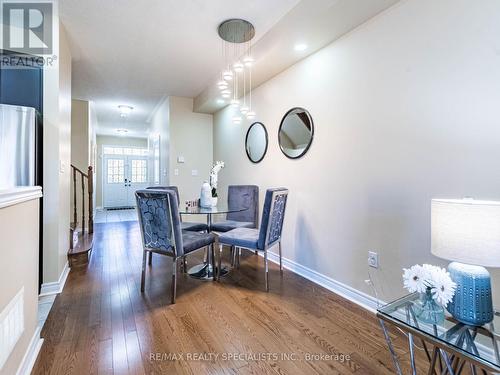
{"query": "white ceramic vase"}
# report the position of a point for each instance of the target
(206, 195)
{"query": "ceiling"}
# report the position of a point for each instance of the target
(137, 52)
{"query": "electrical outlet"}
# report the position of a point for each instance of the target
(373, 259)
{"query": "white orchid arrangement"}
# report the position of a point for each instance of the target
(214, 176)
(433, 279)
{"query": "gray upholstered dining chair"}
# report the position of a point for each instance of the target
(240, 196)
(161, 232)
(189, 226)
(264, 238)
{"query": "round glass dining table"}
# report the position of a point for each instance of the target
(204, 271)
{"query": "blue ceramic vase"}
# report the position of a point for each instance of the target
(472, 303)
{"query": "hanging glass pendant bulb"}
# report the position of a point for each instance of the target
(238, 67)
(226, 93)
(222, 85)
(248, 61)
(236, 120)
(227, 75)
(244, 110)
(235, 103)
(251, 115)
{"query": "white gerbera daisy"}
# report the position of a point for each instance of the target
(413, 279)
(443, 287)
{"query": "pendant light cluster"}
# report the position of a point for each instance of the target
(236, 35)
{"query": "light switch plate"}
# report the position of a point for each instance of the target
(176, 172)
(180, 159)
(194, 172)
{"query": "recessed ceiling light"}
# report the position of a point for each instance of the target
(122, 131)
(300, 47)
(125, 110)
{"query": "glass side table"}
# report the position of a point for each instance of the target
(449, 346)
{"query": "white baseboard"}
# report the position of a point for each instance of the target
(358, 297)
(31, 354)
(57, 286)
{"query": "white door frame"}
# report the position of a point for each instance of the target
(127, 172)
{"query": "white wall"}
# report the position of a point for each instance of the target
(191, 137)
(406, 108)
(57, 158)
(160, 125)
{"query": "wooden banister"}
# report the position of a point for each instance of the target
(88, 180)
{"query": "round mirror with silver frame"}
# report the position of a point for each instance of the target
(256, 142)
(296, 133)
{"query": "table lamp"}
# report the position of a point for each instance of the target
(467, 232)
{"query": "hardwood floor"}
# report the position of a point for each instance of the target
(102, 324)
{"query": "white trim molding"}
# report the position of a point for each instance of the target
(31, 354)
(364, 300)
(55, 287)
(18, 195)
(358, 297)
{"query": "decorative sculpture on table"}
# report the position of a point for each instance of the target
(436, 290)
(214, 180)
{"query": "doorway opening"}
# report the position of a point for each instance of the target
(124, 170)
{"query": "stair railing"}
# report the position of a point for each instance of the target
(86, 180)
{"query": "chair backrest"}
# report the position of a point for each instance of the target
(273, 215)
(173, 187)
(244, 196)
(159, 220)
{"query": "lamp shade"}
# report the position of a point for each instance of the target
(466, 231)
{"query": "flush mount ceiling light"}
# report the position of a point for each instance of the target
(125, 110)
(299, 47)
(236, 35)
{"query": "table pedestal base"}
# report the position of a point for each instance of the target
(205, 271)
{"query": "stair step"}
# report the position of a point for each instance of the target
(83, 242)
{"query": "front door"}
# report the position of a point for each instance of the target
(123, 175)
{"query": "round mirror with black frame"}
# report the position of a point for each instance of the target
(296, 133)
(256, 142)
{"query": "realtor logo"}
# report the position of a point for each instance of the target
(27, 27)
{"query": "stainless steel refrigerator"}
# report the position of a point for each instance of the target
(17, 146)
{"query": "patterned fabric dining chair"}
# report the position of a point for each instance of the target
(240, 196)
(161, 232)
(190, 226)
(264, 238)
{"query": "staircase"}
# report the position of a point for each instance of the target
(81, 232)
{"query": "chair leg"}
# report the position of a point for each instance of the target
(184, 264)
(220, 262)
(150, 261)
(232, 250)
(174, 279)
(238, 256)
(281, 259)
(143, 275)
(212, 253)
(267, 270)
